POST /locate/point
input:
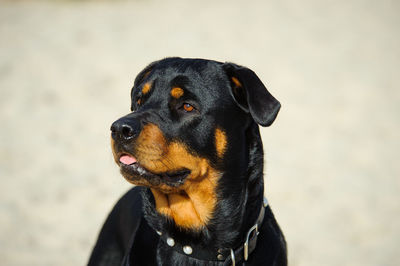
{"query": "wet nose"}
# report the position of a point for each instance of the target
(125, 129)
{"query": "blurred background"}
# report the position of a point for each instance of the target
(66, 69)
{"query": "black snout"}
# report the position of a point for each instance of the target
(125, 129)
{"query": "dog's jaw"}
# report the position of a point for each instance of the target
(183, 184)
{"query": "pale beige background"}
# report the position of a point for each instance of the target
(66, 68)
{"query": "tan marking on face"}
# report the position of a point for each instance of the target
(146, 88)
(220, 142)
(236, 82)
(190, 205)
(151, 144)
(176, 92)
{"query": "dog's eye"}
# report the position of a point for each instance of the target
(188, 107)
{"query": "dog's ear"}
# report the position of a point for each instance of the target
(251, 95)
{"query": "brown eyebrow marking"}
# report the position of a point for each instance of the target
(220, 142)
(146, 88)
(176, 92)
(236, 82)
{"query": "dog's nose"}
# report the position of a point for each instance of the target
(125, 129)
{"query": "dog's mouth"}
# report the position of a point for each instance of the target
(136, 173)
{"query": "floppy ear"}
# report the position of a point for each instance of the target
(251, 95)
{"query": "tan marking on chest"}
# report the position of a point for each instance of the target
(192, 207)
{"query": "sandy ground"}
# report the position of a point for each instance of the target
(66, 69)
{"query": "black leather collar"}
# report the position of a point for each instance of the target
(226, 255)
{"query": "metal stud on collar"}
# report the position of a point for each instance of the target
(170, 242)
(188, 250)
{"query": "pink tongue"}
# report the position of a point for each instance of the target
(127, 159)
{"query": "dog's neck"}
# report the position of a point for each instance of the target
(234, 212)
(244, 201)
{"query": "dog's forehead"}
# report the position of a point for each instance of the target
(185, 64)
(194, 70)
(198, 76)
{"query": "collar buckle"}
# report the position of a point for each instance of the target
(253, 230)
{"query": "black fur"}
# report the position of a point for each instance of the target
(129, 234)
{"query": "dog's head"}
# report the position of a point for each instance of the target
(186, 129)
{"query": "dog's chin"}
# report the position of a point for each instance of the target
(166, 182)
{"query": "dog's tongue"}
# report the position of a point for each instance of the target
(127, 159)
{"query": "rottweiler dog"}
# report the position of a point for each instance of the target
(192, 147)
